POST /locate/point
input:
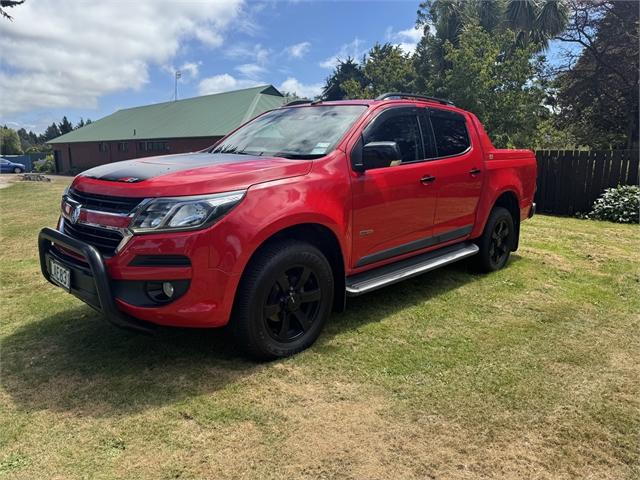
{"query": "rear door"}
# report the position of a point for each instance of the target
(458, 168)
(393, 207)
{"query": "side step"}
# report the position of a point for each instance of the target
(410, 267)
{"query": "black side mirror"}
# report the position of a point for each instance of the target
(380, 155)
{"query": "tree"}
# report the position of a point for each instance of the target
(8, 4)
(530, 23)
(504, 91)
(597, 96)
(51, 132)
(386, 68)
(65, 126)
(9, 142)
(536, 21)
(80, 124)
(28, 140)
(346, 70)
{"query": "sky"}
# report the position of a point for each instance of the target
(88, 58)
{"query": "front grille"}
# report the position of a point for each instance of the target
(105, 240)
(104, 203)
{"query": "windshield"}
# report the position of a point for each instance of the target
(301, 133)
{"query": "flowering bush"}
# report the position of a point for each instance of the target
(620, 204)
(46, 165)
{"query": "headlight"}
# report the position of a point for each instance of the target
(183, 213)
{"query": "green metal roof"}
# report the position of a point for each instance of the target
(206, 116)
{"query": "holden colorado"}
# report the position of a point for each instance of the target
(272, 228)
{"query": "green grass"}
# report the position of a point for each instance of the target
(528, 372)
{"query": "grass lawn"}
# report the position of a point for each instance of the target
(531, 372)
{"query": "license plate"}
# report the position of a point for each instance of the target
(60, 274)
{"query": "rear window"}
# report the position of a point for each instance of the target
(450, 132)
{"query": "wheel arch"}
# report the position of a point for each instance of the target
(325, 240)
(509, 200)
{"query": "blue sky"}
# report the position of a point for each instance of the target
(90, 61)
(290, 44)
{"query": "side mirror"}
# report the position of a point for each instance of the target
(380, 155)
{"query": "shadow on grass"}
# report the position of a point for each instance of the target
(75, 361)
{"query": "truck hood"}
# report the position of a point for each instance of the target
(187, 174)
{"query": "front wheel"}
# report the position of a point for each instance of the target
(497, 240)
(283, 300)
(17, 170)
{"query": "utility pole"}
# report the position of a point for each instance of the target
(175, 90)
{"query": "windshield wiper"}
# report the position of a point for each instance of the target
(232, 151)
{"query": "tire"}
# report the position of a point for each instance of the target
(283, 300)
(17, 170)
(497, 241)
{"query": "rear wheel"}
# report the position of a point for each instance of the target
(497, 241)
(283, 301)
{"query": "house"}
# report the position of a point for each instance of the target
(160, 129)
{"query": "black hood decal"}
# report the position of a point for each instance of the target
(139, 170)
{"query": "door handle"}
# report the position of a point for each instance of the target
(475, 171)
(427, 179)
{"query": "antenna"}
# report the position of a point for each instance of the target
(175, 89)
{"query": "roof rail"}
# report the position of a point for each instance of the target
(388, 95)
(296, 102)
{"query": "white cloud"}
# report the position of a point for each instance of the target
(224, 83)
(353, 49)
(189, 70)
(68, 55)
(257, 53)
(251, 70)
(407, 39)
(292, 85)
(298, 50)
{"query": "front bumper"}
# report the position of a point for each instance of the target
(90, 284)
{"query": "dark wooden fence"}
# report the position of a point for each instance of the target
(569, 181)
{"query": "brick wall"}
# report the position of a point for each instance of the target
(76, 157)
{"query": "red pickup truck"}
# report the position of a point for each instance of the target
(274, 226)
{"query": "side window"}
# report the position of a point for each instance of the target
(450, 132)
(402, 129)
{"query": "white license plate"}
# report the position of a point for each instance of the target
(60, 274)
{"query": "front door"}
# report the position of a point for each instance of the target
(393, 207)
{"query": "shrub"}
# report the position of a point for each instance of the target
(46, 165)
(620, 204)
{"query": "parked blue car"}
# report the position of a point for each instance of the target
(9, 167)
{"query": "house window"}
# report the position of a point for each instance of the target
(154, 146)
(123, 146)
(102, 147)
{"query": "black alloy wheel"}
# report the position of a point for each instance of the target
(283, 300)
(499, 247)
(497, 240)
(292, 304)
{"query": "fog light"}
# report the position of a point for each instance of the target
(167, 289)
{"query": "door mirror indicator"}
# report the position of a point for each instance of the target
(380, 155)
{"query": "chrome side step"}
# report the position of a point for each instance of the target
(410, 267)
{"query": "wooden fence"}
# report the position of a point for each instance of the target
(570, 181)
